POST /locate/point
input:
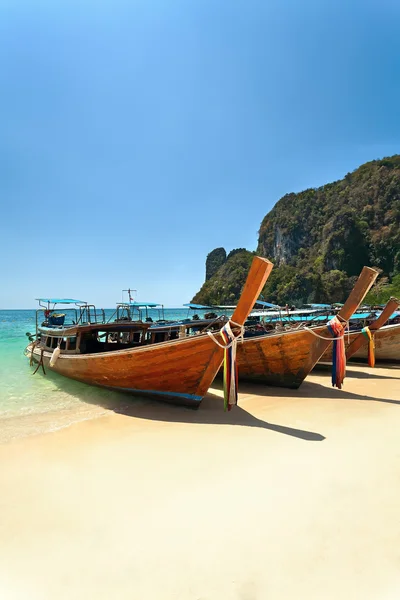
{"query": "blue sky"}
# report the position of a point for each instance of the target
(137, 136)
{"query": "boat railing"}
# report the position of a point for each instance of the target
(90, 315)
(138, 312)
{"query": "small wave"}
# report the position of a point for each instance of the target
(16, 427)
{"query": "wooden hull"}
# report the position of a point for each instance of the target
(283, 359)
(179, 372)
(387, 345)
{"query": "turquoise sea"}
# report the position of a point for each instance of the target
(31, 404)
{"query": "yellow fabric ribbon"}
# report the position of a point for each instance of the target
(371, 346)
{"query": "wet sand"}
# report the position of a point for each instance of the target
(295, 494)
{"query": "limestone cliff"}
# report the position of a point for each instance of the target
(319, 239)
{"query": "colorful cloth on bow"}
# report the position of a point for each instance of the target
(371, 345)
(338, 353)
(230, 367)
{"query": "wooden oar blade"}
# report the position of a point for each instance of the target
(259, 272)
(361, 340)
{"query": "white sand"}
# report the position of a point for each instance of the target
(293, 495)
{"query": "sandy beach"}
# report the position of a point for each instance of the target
(293, 495)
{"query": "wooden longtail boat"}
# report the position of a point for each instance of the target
(120, 356)
(386, 338)
(360, 340)
(387, 345)
(285, 359)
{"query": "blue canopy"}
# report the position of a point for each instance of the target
(221, 306)
(141, 304)
(268, 304)
(321, 305)
(61, 301)
(395, 314)
(197, 306)
(355, 317)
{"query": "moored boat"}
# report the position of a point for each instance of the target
(122, 356)
(286, 358)
(387, 345)
(363, 344)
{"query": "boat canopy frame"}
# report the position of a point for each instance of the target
(138, 311)
(81, 313)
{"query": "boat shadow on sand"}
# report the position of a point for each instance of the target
(355, 371)
(310, 390)
(211, 410)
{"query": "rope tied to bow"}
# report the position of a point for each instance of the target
(371, 345)
(230, 363)
(40, 364)
(338, 352)
(33, 346)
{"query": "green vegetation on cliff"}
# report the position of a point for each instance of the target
(215, 260)
(383, 290)
(320, 239)
(225, 286)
